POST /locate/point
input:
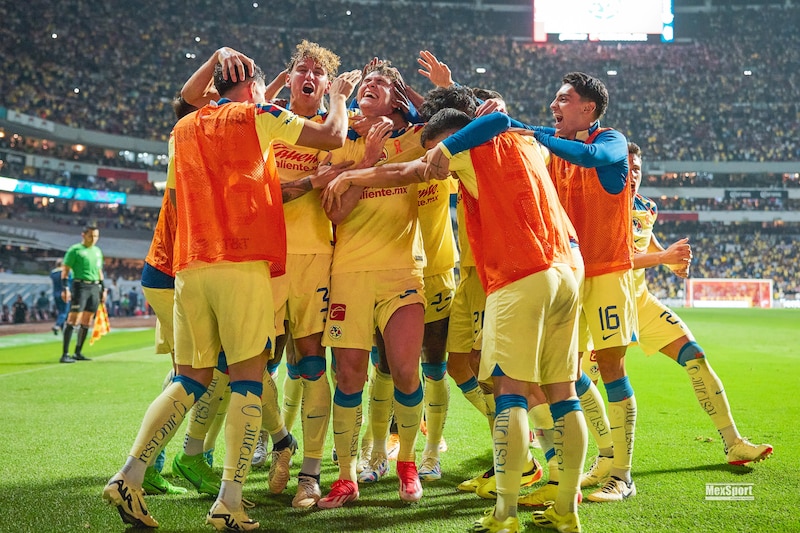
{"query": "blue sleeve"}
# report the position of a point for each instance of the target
(535, 129)
(477, 132)
(608, 154)
(413, 115)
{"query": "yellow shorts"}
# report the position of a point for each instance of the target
(608, 310)
(658, 324)
(301, 295)
(589, 365)
(162, 301)
(362, 301)
(466, 313)
(530, 330)
(223, 304)
(439, 291)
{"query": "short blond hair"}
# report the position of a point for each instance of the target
(308, 50)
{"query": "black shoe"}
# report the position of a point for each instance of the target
(66, 359)
(79, 357)
(56, 330)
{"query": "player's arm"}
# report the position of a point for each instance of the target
(331, 134)
(677, 256)
(275, 86)
(199, 88)
(325, 172)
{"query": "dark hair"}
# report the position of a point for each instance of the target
(455, 96)
(486, 94)
(89, 228)
(589, 88)
(634, 149)
(181, 107)
(446, 119)
(223, 86)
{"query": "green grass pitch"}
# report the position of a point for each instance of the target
(67, 428)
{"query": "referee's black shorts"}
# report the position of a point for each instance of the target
(85, 296)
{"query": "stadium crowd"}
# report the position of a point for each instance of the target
(718, 113)
(742, 250)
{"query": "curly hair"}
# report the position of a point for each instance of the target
(308, 50)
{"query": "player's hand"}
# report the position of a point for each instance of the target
(434, 70)
(373, 144)
(677, 253)
(332, 194)
(280, 102)
(492, 105)
(235, 65)
(437, 166)
(326, 171)
(345, 83)
(362, 125)
(371, 65)
(400, 98)
(678, 257)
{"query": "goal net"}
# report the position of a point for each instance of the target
(736, 292)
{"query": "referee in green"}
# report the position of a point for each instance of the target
(85, 260)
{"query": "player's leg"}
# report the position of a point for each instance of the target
(351, 371)
(594, 409)
(381, 409)
(160, 423)
(437, 396)
(711, 395)
(609, 309)
(403, 333)
(315, 412)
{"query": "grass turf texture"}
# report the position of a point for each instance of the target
(68, 428)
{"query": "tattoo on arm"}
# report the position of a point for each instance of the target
(295, 189)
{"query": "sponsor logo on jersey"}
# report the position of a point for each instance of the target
(337, 312)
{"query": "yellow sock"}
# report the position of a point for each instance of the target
(272, 421)
(346, 427)
(712, 398)
(437, 401)
(163, 418)
(570, 440)
(219, 421)
(511, 439)
(594, 409)
(380, 410)
(475, 397)
(316, 413)
(204, 413)
(408, 413)
(622, 416)
(543, 422)
(241, 434)
(292, 398)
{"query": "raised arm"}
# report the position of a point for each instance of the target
(199, 88)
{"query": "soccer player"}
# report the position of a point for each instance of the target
(376, 282)
(589, 166)
(662, 330)
(230, 236)
(519, 252)
(85, 261)
(300, 296)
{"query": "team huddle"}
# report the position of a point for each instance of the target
(308, 226)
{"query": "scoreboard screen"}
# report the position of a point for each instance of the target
(602, 20)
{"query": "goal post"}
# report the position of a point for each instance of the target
(728, 292)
